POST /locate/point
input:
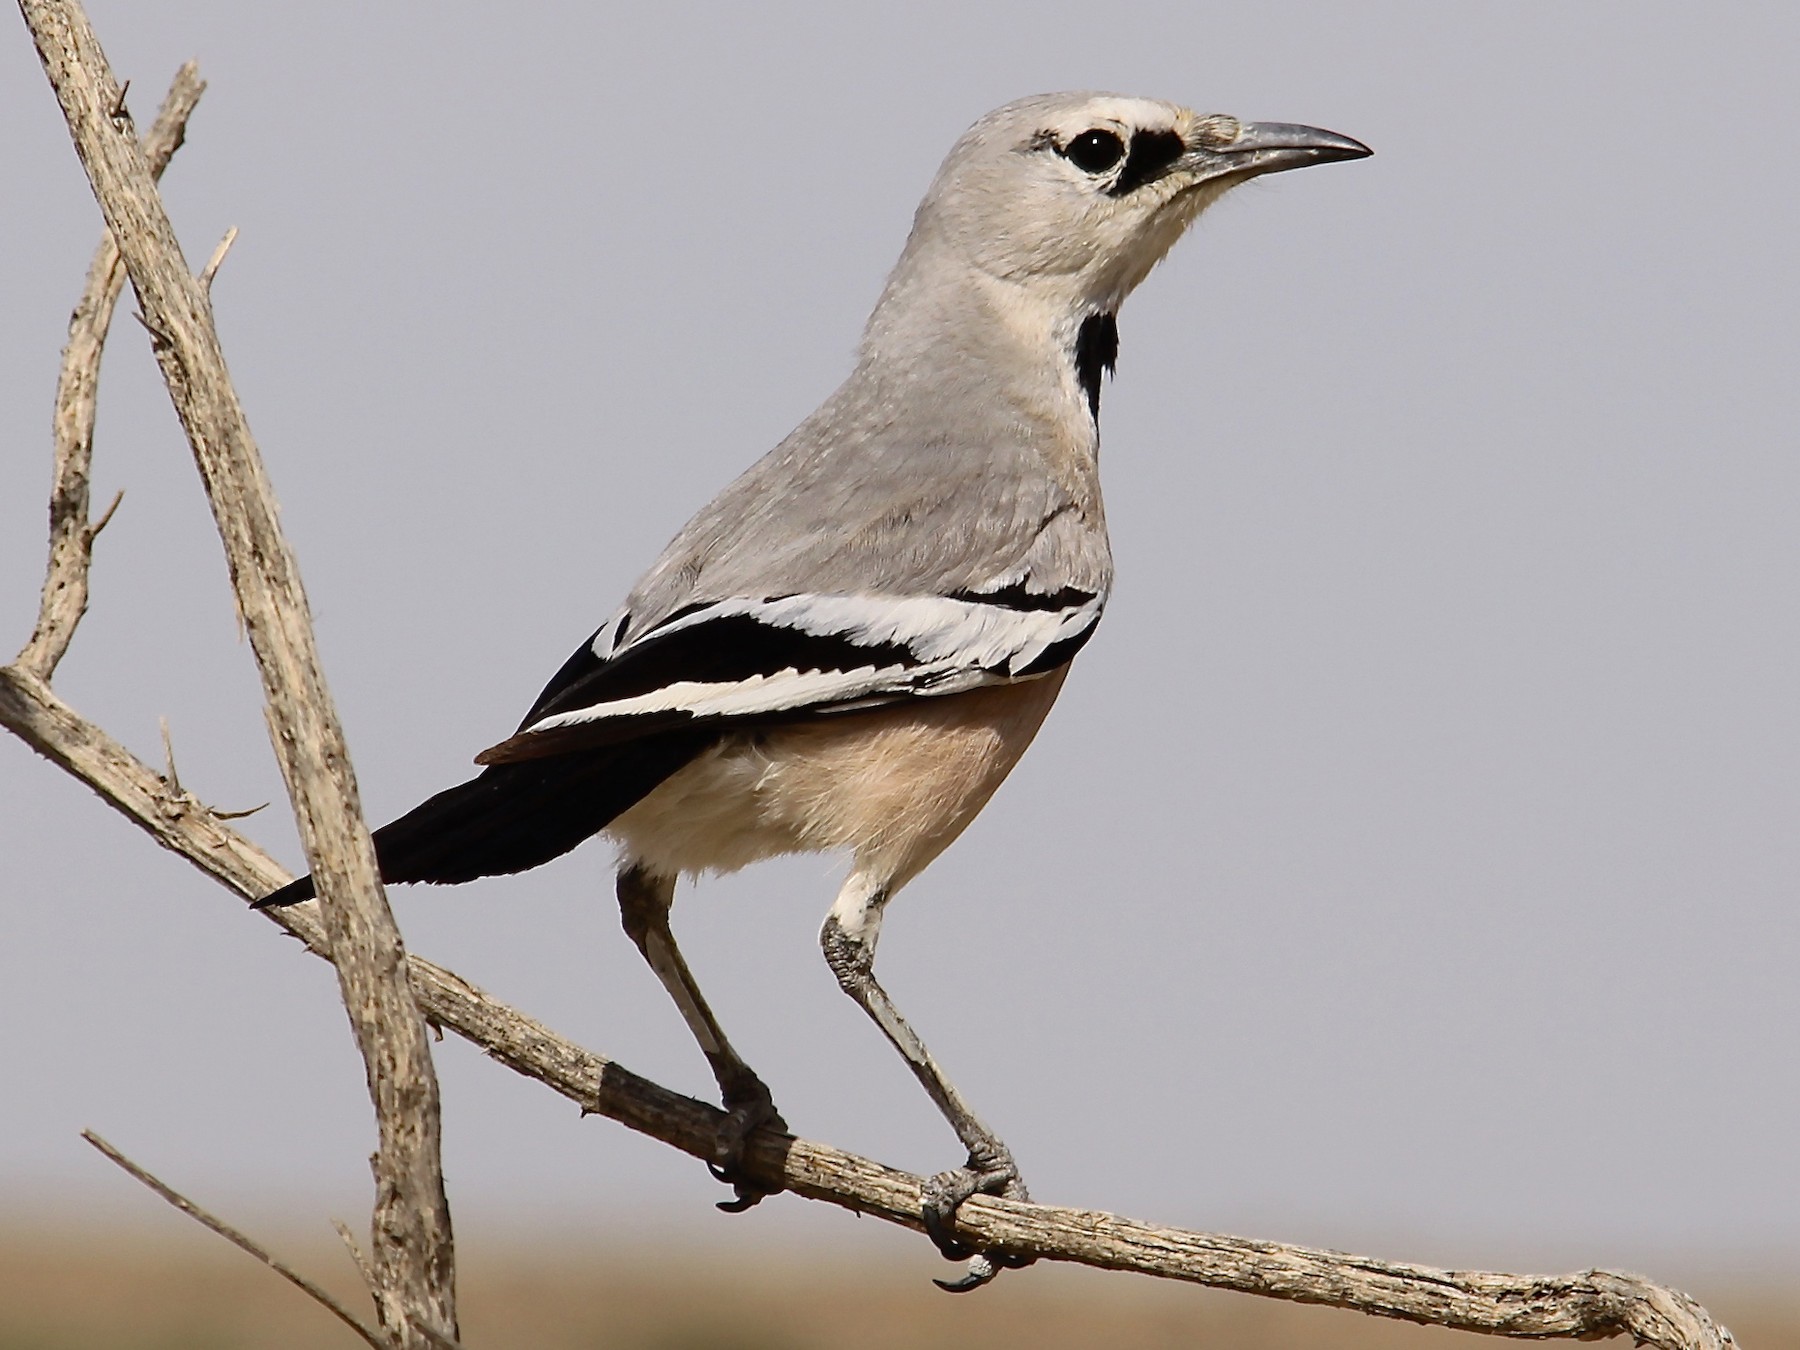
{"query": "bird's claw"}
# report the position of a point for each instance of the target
(941, 1197)
(980, 1271)
(944, 1194)
(743, 1117)
(748, 1193)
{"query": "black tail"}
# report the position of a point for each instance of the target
(515, 816)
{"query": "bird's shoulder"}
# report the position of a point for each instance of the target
(865, 559)
(858, 500)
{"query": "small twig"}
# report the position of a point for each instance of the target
(93, 531)
(65, 595)
(357, 1259)
(119, 111)
(413, 1253)
(221, 814)
(172, 778)
(238, 1240)
(367, 1272)
(1584, 1305)
(159, 340)
(211, 269)
(1588, 1304)
(435, 1336)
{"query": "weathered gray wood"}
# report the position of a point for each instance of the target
(71, 535)
(412, 1251)
(242, 1241)
(1586, 1304)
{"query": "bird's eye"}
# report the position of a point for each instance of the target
(1095, 151)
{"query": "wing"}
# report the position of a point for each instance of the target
(777, 658)
(864, 561)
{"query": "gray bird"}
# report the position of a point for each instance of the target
(850, 646)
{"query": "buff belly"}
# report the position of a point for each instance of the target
(895, 786)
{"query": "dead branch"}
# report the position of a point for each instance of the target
(412, 1248)
(214, 263)
(71, 535)
(1587, 1305)
(1584, 1305)
(237, 1239)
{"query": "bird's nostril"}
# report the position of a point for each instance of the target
(1218, 131)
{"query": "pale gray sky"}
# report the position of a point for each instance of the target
(1410, 863)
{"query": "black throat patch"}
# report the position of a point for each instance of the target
(1096, 350)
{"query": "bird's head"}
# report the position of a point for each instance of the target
(1077, 196)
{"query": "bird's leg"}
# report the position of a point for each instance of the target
(644, 902)
(849, 941)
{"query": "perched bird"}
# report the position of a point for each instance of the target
(851, 645)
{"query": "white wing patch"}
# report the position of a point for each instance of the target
(785, 691)
(936, 628)
(864, 650)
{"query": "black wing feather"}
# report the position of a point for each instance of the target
(515, 816)
(724, 649)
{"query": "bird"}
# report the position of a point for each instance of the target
(850, 647)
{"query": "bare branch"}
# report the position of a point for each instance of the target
(245, 814)
(437, 1338)
(169, 771)
(71, 537)
(1588, 1304)
(238, 1240)
(1585, 1305)
(217, 260)
(412, 1246)
(34, 713)
(106, 516)
(357, 1259)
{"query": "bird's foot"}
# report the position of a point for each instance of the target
(748, 1108)
(989, 1171)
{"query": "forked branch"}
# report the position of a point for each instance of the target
(1587, 1305)
(412, 1252)
(71, 534)
(237, 1239)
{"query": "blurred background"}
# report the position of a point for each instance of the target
(1408, 866)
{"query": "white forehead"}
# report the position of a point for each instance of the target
(1068, 115)
(1023, 123)
(1114, 111)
